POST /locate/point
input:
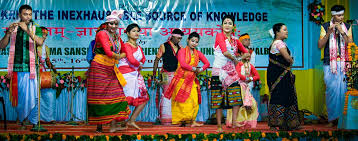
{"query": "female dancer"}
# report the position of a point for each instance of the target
(106, 100)
(184, 89)
(135, 90)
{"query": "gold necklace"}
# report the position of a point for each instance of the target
(229, 38)
(192, 51)
(135, 45)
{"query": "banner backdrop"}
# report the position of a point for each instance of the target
(72, 25)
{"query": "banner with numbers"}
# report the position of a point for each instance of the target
(72, 25)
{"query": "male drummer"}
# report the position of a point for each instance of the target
(22, 36)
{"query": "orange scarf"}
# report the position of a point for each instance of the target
(189, 76)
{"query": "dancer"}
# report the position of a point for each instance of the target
(106, 100)
(248, 113)
(185, 88)
(225, 89)
(168, 51)
(283, 109)
(245, 39)
(130, 66)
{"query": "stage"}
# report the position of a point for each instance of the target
(61, 131)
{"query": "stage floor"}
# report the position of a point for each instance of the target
(147, 129)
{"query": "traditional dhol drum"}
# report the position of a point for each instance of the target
(48, 79)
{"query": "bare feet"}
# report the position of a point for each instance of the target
(235, 125)
(132, 123)
(195, 124)
(115, 128)
(219, 130)
(112, 129)
(121, 128)
(123, 125)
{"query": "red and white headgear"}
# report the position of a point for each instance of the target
(115, 16)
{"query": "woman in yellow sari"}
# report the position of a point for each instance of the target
(184, 89)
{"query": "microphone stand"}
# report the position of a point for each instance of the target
(72, 121)
(37, 127)
(209, 120)
(158, 96)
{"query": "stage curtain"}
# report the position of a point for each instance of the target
(10, 111)
(61, 108)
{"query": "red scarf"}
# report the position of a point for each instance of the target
(189, 76)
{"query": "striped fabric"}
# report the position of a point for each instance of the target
(216, 99)
(188, 76)
(234, 95)
(106, 100)
(225, 99)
